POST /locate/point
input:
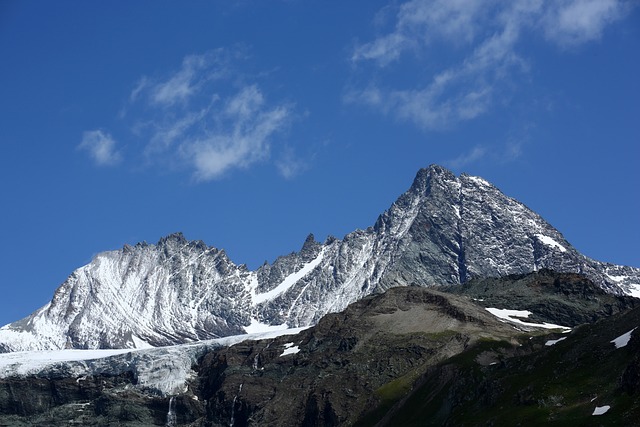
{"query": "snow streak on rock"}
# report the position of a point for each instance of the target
(623, 339)
(516, 316)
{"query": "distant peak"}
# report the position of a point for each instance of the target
(310, 239)
(437, 169)
(311, 247)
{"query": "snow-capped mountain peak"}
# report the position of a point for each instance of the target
(444, 230)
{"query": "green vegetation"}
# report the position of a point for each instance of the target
(532, 384)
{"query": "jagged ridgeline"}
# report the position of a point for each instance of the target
(445, 230)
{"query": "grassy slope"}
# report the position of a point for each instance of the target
(557, 385)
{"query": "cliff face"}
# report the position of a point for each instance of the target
(409, 351)
(443, 230)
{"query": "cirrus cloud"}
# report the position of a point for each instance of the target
(483, 38)
(205, 116)
(101, 148)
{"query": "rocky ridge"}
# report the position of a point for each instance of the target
(444, 230)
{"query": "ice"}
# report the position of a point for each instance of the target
(515, 315)
(550, 242)
(288, 281)
(623, 339)
(165, 369)
(601, 410)
(552, 342)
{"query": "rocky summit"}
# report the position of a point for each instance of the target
(445, 230)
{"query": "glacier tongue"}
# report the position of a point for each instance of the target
(164, 370)
(444, 230)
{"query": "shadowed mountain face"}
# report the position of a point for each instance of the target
(409, 356)
(445, 230)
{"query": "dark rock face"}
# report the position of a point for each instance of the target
(101, 400)
(559, 384)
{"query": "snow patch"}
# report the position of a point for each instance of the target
(288, 281)
(289, 348)
(617, 278)
(623, 339)
(257, 327)
(479, 181)
(550, 242)
(140, 343)
(515, 315)
(634, 290)
(552, 342)
(601, 410)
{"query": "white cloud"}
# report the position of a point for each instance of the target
(483, 36)
(289, 165)
(242, 140)
(420, 22)
(171, 129)
(197, 119)
(575, 22)
(179, 87)
(101, 147)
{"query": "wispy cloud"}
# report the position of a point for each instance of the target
(484, 36)
(101, 148)
(206, 116)
(240, 139)
(495, 154)
(419, 23)
(573, 22)
(179, 87)
(465, 159)
(289, 165)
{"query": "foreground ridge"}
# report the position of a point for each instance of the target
(408, 356)
(444, 230)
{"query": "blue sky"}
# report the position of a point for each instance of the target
(250, 125)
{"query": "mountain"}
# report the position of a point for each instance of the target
(445, 230)
(408, 356)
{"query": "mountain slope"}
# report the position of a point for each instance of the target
(443, 230)
(409, 355)
(588, 378)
